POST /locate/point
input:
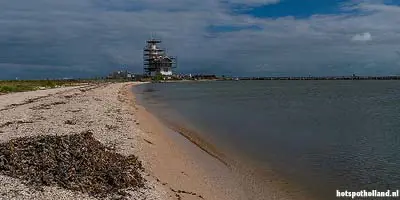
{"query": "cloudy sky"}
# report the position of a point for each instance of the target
(59, 38)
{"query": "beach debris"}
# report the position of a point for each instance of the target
(74, 111)
(111, 127)
(178, 192)
(147, 141)
(47, 106)
(6, 124)
(70, 96)
(76, 162)
(14, 105)
(184, 173)
(70, 122)
(119, 119)
(39, 117)
(15, 122)
(90, 87)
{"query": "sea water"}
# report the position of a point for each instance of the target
(321, 135)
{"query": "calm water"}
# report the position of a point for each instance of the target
(323, 135)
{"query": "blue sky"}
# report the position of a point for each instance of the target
(295, 8)
(56, 39)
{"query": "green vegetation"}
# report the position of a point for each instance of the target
(8, 86)
(158, 77)
(30, 85)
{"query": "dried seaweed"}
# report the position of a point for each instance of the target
(47, 106)
(15, 122)
(70, 122)
(111, 127)
(75, 162)
(147, 141)
(14, 105)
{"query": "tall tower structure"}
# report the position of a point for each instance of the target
(156, 62)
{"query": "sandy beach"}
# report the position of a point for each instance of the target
(174, 168)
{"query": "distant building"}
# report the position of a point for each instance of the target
(156, 62)
(121, 75)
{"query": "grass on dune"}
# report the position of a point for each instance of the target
(8, 86)
(22, 86)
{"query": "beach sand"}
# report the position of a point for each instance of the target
(227, 177)
(174, 168)
(181, 165)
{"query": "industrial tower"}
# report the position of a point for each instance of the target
(156, 62)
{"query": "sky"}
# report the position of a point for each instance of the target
(87, 38)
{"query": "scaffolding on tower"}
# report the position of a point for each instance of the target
(156, 61)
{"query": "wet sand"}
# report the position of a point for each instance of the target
(252, 181)
(182, 165)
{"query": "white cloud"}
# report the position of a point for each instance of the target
(379, 7)
(362, 37)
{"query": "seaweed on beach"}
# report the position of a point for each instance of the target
(76, 162)
(47, 106)
(15, 122)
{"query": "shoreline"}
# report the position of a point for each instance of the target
(190, 135)
(209, 175)
(243, 170)
(174, 166)
(194, 138)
